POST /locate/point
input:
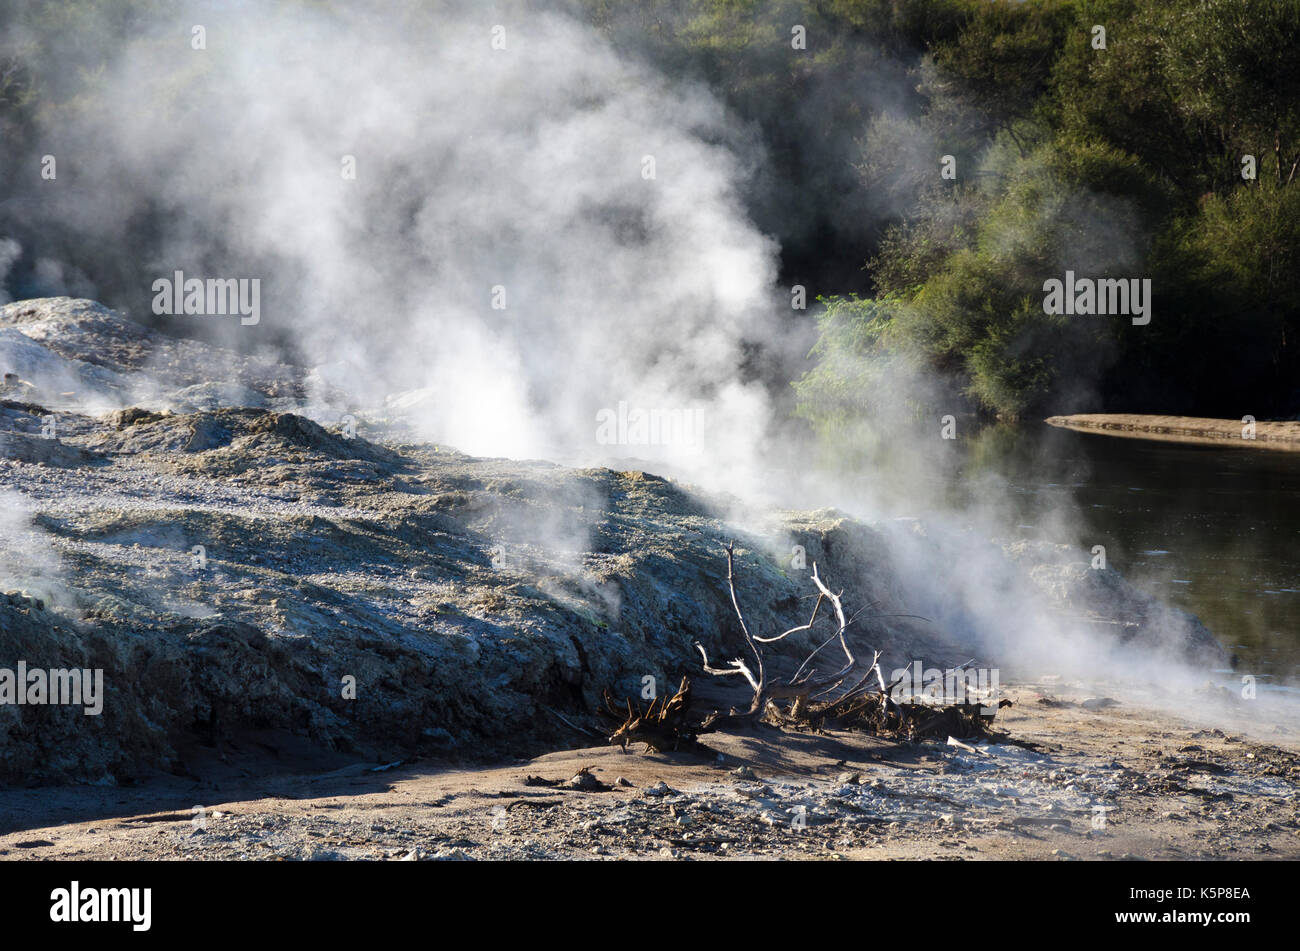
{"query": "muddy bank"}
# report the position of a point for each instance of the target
(1284, 434)
(1078, 776)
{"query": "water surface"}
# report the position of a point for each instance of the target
(1213, 530)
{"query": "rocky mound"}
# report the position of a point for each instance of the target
(234, 571)
(66, 353)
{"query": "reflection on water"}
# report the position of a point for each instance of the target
(1211, 530)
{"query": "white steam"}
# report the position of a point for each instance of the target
(517, 175)
(482, 176)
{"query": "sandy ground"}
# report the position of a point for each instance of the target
(1078, 780)
(1187, 429)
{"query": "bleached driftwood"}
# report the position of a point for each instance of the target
(848, 679)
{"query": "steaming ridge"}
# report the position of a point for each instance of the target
(435, 219)
(229, 567)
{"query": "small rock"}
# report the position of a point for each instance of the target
(743, 772)
(623, 781)
(1098, 703)
(586, 780)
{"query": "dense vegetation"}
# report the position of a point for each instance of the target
(1125, 161)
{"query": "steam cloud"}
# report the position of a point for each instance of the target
(479, 168)
(516, 169)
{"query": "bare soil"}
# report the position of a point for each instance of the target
(1079, 777)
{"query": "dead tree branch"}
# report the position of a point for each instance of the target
(806, 682)
(662, 727)
(846, 695)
